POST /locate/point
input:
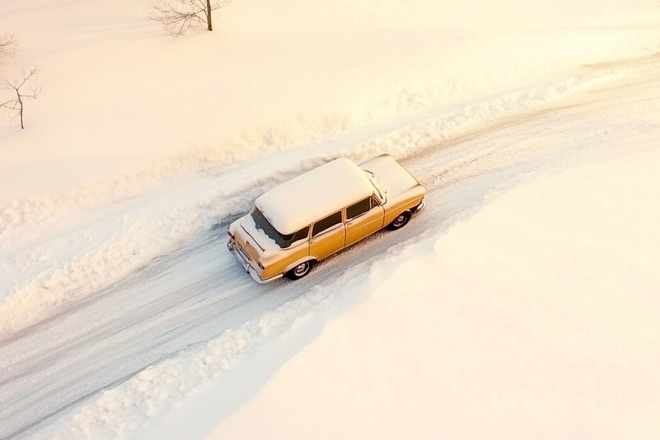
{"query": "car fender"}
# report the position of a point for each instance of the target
(300, 260)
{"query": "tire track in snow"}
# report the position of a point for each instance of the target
(200, 192)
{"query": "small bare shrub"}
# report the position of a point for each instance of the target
(16, 105)
(8, 45)
(180, 16)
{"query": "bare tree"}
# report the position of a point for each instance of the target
(17, 104)
(180, 16)
(7, 45)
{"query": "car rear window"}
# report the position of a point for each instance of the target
(282, 240)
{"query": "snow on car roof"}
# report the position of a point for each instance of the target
(313, 195)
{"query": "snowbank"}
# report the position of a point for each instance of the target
(537, 316)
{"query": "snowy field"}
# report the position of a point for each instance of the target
(524, 302)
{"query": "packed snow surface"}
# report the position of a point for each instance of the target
(524, 301)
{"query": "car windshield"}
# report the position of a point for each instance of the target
(282, 240)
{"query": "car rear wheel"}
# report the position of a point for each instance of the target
(400, 221)
(300, 270)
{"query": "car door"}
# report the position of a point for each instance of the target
(328, 236)
(363, 219)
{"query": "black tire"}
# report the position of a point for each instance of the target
(300, 270)
(400, 221)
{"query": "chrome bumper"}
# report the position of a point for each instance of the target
(246, 264)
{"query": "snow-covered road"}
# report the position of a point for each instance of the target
(195, 293)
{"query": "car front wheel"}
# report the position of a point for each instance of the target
(400, 221)
(300, 270)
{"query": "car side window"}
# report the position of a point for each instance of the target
(359, 208)
(300, 235)
(326, 223)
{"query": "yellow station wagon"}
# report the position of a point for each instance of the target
(302, 221)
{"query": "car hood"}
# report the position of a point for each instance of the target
(391, 177)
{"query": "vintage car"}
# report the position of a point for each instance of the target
(302, 221)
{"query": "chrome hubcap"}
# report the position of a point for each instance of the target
(301, 268)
